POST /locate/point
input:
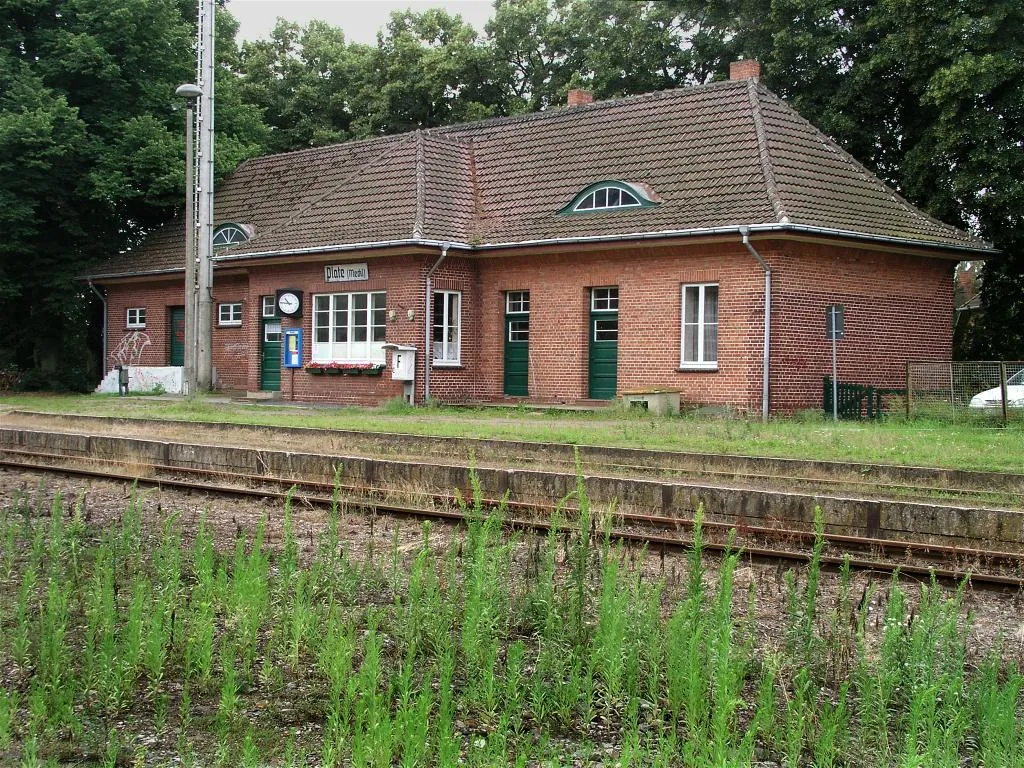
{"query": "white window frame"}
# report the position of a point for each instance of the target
(448, 324)
(349, 350)
(701, 363)
(273, 328)
(517, 302)
(268, 306)
(601, 199)
(607, 296)
(227, 235)
(229, 314)
(517, 307)
(139, 315)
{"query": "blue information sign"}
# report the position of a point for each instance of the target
(292, 347)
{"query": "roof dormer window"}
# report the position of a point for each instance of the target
(230, 234)
(611, 195)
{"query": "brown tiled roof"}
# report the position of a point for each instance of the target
(723, 155)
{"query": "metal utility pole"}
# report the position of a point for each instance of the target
(190, 93)
(204, 121)
(835, 373)
(834, 324)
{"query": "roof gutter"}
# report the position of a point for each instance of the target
(753, 229)
(766, 353)
(427, 355)
(444, 244)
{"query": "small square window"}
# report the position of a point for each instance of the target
(604, 299)
(606, 329)
(136, 317)
(272, 332)
(517, 302)
(269, 306)
(229, 314)
(519, 330)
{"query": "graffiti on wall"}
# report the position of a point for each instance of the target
(129, 350)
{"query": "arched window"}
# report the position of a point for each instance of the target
(611, 195)
(229, 234)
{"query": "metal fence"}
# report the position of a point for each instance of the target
(860, 401)
(962, 391)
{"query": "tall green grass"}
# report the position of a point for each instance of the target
(500, 649)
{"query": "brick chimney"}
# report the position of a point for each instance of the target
(578, 97)
(745, 68)
(968, 280)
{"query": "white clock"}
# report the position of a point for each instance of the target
(289, 303)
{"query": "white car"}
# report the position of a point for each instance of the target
(993, 398)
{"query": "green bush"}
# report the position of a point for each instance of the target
(69, 378)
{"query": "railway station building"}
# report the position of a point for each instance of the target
(687, 241)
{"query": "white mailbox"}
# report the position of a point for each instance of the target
(403, 362)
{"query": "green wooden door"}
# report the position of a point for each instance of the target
(517, 343)
(270, 356)
(604, 342)
(176, 345)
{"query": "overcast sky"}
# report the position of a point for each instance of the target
(360, 19)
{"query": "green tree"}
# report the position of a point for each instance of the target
(303, 80)
(91, 153)
(931, 98)
(428, 69)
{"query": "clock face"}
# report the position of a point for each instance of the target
(288, 303)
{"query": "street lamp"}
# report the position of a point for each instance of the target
(190, 93)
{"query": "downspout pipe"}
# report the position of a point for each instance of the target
(766, 354)
(103, 299)
(428, 356)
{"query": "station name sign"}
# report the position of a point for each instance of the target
(344, 273)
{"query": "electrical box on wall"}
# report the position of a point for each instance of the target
(403, 362)
(292, 347)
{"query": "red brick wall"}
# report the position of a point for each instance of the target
(397, 275)
(650, 281)
(458, 383)
(157, 297)
(233, 346)
(896, 306)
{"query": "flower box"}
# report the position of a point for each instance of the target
(345, 369)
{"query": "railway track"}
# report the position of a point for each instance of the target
(989, 568)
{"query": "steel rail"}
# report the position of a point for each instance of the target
(918, 548)
(640, 538)
(923, 549)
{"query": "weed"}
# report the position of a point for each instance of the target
(97, 623)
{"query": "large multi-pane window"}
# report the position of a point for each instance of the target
(447, 306)
(349, 327)
(700, 326)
